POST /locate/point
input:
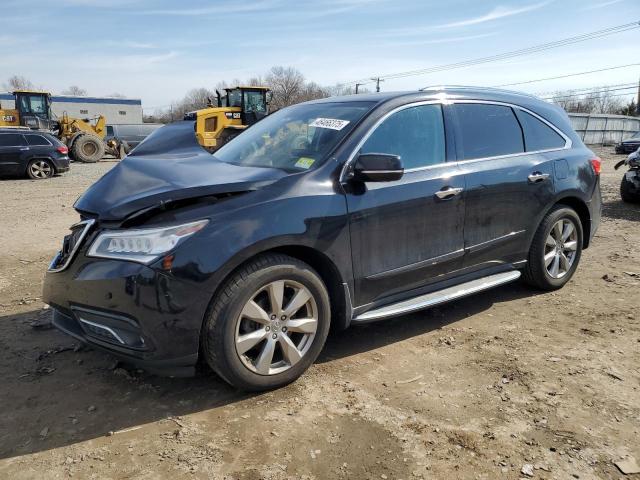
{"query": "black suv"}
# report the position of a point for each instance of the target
(24, 152)
(629, 145)
(333, 212)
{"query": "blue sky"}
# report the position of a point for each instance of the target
(158, 49)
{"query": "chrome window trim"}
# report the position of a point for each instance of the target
(373, 128)
(87, 226)
(568, 143)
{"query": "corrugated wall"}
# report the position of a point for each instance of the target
(603, 129)
(115, 110)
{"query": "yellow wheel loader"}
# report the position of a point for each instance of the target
(83, 137)
(237, 109)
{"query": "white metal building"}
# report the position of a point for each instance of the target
(116, 110)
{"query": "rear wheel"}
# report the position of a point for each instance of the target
(556, 249)
(268, 324)
(88, 149)
(39, 169)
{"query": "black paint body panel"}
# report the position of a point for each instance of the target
(383, 241)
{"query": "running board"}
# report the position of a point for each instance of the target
(440, 296)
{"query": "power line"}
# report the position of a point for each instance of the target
(588, 89)
(585, 94)
(511, 54)
(582, 97)
(567, 76)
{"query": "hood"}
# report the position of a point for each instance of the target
(168, 166)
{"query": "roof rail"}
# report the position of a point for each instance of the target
(469, 87)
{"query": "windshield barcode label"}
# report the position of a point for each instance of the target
(332, 123)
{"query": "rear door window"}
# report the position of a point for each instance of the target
(488, 130)
(37, 140)
(416, 134)
(537, 134)
(12, 140)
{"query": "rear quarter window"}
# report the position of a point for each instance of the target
(487, 130)
(37, 140)
(537, 134)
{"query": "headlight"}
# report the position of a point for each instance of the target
(142, 245)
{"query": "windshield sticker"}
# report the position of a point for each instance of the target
(332, 123)
(304, 162)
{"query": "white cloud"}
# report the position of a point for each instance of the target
(602, 4)
(495, 14)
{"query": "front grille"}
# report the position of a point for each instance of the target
(70, 245)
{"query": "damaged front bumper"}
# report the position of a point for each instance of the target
(131, 310)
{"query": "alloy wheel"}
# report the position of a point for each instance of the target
(40, 169)
(560, 248)
(276, 327)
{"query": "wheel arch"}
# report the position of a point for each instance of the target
(336, 285)
(582, 210)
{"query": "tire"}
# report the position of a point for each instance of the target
(540, 274)
(626, 192)
(226, 325)
(226, 136)
(40, 168)
(88, 149)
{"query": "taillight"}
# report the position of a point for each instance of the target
(62, 149)
(596, 164)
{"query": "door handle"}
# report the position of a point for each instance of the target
(24, 148)
(537, 177)
(448, 192)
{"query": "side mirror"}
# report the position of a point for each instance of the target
(377, 167)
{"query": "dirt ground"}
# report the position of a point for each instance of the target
(508, 384)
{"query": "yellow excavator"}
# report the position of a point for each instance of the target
(237, 109)
(83, 137)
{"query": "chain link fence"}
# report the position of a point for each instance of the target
(604, 129)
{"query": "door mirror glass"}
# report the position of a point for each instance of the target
(377, 167)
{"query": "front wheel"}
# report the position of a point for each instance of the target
(555, 250)
(88, 149)
(268, 323)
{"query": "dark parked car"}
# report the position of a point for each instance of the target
(131, 135)
(35, 154)
(629, 145)
(333, 212)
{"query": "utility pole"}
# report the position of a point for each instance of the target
(377, 80)
(358, 85)
(638, 102)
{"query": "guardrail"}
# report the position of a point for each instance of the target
(604, 129)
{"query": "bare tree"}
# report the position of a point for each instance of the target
(75, 91)
(18, 82)
(339, 89)
(287, 84)
(630, 109)
(601, 100)
(312, 91)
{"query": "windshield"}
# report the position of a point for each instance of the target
(34, 104)
(295, 138)
(254, 102)
(636, 135)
